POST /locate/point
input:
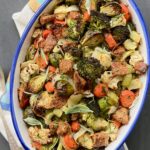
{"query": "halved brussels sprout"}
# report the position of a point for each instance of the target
(111, 9)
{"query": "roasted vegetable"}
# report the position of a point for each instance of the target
(64, 88)
(28, 113)
(93, 105)
(127, 80)
(36, 83)
(92, 39)
(86, 141)
(55, 58)
(118, 21)
(74, 99)
(112, 98)
(103, 104)
(31, 53)
(121, 33)
(99, 21)
(89, 68)
(111, 9)
(130, 44)
(75, 27)
(87, 51)
(96, 123)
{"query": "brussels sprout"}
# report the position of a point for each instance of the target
(74, 99)
(86, 141)
(135, 84)
(55, 58)
(118, 21)
(64, 88)
(49, 115)
(87, 52)
(92, 39)
(111, 9)
(96, 123)
(135, 36)
(33, 100)
(104, 106)
(28, 113)
(130, 44)
(112, 98)
(58, 112)
(31, 53)
(127, 80)
(36, 83)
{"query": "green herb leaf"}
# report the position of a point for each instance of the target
(80, 108)
(33, 122)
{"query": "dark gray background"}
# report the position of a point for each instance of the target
(139, 139)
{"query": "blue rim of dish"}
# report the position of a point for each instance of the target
(34, 18)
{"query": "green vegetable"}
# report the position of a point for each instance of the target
(104, 106)
(49, 115)
(60, 146)
(126, 54)
(74, 99)
(28, 113)
(89, 68)
(86, 141)
(127, 80)
(31, 53)
(120, 33)
(64, 88)
(92, 39)
(82, 130)
(36, 83)
(87, 52)
(96, 123)
(93, 105)
(111, 9)
(33, 122)
(58, 112)
(55, 58)
(75, 28)
(135, 36)
(99, 21)
(118, 20)
(135, 84)
(113, 98)
(130, 45)
(80, 108)
(50, 146)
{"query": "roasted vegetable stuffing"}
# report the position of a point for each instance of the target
(81, 75)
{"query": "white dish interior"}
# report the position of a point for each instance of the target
(133, 112)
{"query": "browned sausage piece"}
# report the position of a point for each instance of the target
(140, 67)
(119, 68)
(45, 18)
(63, 128)
(121, 115)
(100, 139)
(119, 51)
(66, 66)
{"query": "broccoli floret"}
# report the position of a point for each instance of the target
(111, 9)
(89, 68)
(99, 21)
(121, 33)
(76, 28)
